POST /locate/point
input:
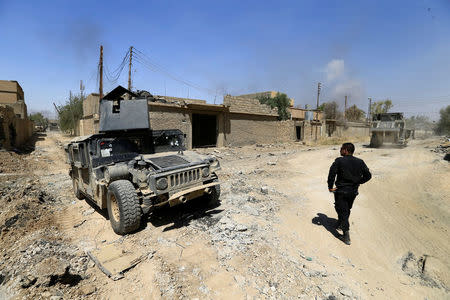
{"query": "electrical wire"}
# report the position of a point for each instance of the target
(143, 59)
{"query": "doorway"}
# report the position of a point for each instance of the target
(204, 130)
(298, 131)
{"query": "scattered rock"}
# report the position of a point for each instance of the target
(241, 227)
(346, 292)
(264, 190)
(250, 210)
(240, 280)
(204, 289)
(87, 289)
(27, 281)
(88, 212)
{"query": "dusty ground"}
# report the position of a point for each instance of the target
(271, 237)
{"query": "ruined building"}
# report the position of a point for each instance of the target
(15, 127)
(240, 120)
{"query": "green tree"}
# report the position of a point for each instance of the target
(331, 110)
(380, 107)
(443, 125)
(281, 102)
(70, 112)
(39, 120)
(419, 122)
(353, 113)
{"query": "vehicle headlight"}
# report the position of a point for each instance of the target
(215, 165)
(161, 183)
(205, 172)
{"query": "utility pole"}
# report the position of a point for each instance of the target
(100, 89)
(317, 107)
(129, 68)
(369, 111)
(345, 108)
(81, 90)
(56, 107)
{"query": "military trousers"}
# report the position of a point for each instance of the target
(343, 202)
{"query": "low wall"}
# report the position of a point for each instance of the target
(87, 126)
(248, 105)
(14, 132)
(246, 129)
(348, 129)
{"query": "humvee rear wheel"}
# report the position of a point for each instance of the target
(76, 189)
(123, 207)
(214, 198)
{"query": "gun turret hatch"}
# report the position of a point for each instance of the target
(117, 114)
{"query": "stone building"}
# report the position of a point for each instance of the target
(238, 121)
(15, 127)
(308, 123)
(11, 94)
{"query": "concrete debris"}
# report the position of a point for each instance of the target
(346, 292)
(114, 260)
(88, 212)
(264, 190)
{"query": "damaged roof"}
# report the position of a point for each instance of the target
(118, 92)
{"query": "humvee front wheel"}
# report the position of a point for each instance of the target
(214, 197)
(76, 189)
(376, 141)
(123, 207)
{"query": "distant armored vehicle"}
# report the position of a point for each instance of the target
(389, 128)
(131, 170)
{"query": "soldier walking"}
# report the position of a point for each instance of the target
(350, 172)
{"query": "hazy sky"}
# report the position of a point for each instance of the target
(379, 49)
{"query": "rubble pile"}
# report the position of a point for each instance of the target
(443, 148)
(36, 256)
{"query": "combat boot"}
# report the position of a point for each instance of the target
(337, 225)
(346, 238)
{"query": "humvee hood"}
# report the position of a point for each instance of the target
(174, 159)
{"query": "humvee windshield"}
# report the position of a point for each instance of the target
(144, 144)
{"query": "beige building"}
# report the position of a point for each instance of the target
(238, 121)
(11, 94)
(271, 94)
(15, 127)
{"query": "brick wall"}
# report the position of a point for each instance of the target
(171, 117)
(10, 91)
(19, 108)
(352, 129)
(253, 129)
(9, 123)
(91, 104)
(248, 105)
(347, 129)
(181, 100)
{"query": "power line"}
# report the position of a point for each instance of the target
(143, 59)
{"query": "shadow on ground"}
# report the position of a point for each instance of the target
(385, 146)
(328, 223)
(29, 146)
(182, 215)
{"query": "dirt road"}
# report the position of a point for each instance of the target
(271, 237)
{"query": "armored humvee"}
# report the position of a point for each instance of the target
(389, 128)
(130, 170)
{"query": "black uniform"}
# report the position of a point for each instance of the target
(351, 172)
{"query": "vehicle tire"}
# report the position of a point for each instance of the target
(76, 190)
(213, 199)
(123, 207)
(376, 141)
